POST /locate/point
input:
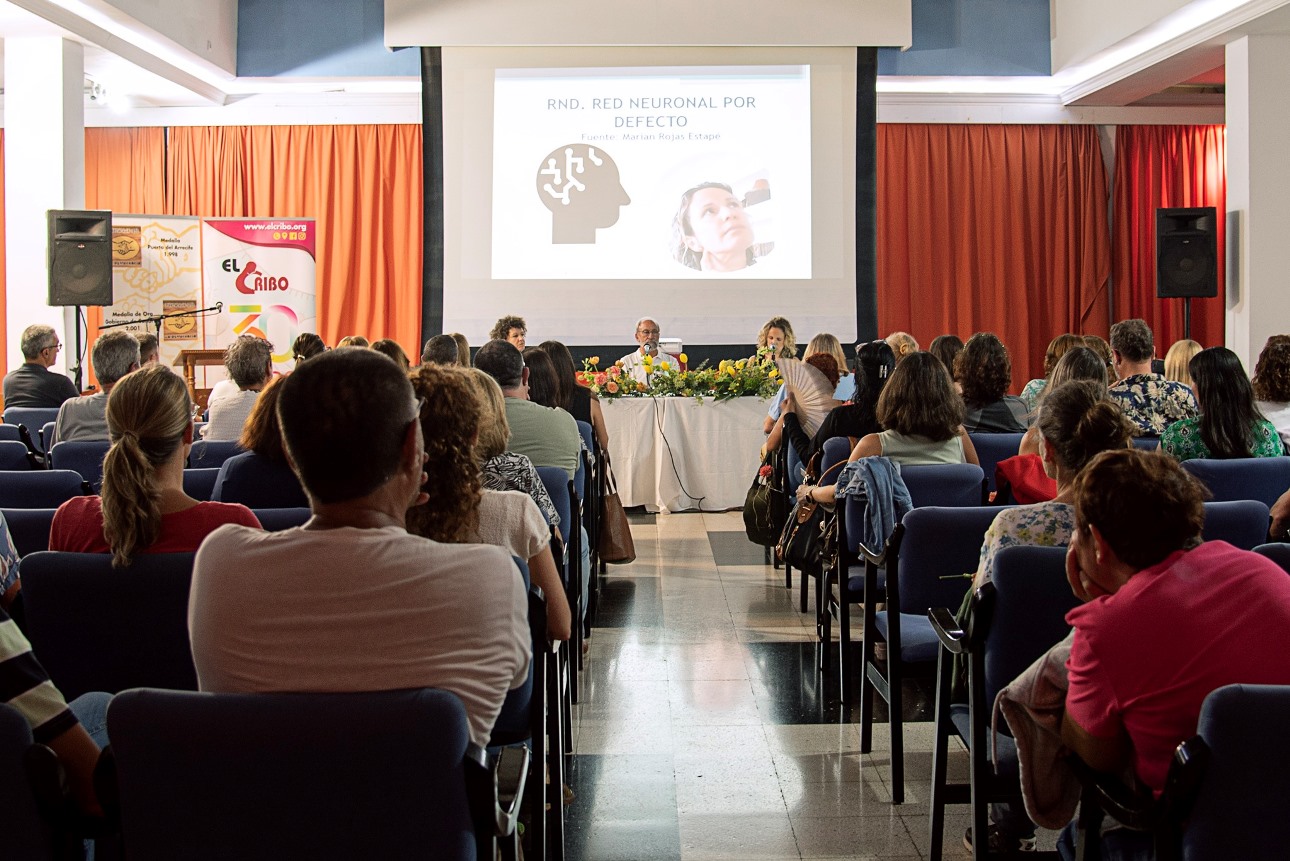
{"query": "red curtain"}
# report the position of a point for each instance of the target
(992, 228)
(1165, 166)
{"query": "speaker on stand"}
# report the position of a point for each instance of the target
(80, 264)
(1186, 256)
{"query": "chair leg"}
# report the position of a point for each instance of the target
(553, 827)
(788, 575)
(940, 751)
(845, 667)
(866, 689)
(895, 702)
(801, 602)
(824, 620)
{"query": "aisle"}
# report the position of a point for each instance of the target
(704, 732)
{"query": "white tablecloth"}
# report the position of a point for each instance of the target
(673, 454)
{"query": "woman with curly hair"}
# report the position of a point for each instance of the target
(777, 334)
(1272, 384)
(984, 372)
(1229, 424)
(1057, 348)
(461, 510)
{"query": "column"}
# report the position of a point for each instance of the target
(44, 168)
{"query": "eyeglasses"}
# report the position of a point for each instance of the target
(650, 331)
(52, 347)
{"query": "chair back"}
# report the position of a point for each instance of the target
(939, 553)
(212, 453)
(1261, 478)
(47, 435)
(27, 834)
(944, 484)
(84, 456)
(13, 454)
(39, 488)
(200, 483)
(1277, 552)
(515, 721)
(556, 482)
(278, 519)
(10, 433)
(1028, 618)
(1242, 523)
(258, 482)
(793, 477)
(1146, 443)
(292, 775)
(34, 418)
(97, 628)
(1239, 803)
(992, 448)
(29, 529)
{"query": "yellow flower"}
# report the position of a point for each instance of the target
(648, 360)
(595, 360)
(741, 363)
(640, 387)
(664, 365)
(684, 358)
(774, 372)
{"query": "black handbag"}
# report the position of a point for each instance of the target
(760, 520)
(807, 541)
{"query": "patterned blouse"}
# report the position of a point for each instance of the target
(511, 471)
(1182, 439)
(1153, 403)
(1044, 524)
(1030, 394)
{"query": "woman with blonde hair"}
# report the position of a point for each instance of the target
(463, 349)
(777, 334)
(1177, 359)
(142, 507)
(461, 510)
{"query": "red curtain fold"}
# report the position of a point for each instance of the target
(1165, 166)
(992, 228)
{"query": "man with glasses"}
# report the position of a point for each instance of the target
(647, 335)
(32, 384)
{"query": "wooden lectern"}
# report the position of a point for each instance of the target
(191, 360)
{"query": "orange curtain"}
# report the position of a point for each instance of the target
(1166, 166)
(361, 183)
(124, 172)
(993, 228)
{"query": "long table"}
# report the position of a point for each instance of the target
(675, 454)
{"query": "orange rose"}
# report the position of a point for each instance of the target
(611, 387)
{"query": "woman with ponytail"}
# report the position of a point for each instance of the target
(143, 507)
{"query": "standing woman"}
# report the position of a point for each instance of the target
(1229, 424)
(143, 507)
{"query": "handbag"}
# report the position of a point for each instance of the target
(760, 521)
(808, 537)
(614, 543)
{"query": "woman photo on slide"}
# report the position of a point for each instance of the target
(711, 231)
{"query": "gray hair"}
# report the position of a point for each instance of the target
(35, 338)
(647, 320)
(1132, 339)
(247, 360)
(115, 354)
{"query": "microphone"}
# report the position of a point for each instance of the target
(650, 347)
(219, 306)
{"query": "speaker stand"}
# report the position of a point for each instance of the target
(80, 359)
(1187, 317)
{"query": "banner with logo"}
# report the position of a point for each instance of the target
(157, 270)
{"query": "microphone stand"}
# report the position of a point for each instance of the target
(155, 319)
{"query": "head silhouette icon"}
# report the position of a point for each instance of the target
(580, 185)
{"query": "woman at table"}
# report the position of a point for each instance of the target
(776, 335)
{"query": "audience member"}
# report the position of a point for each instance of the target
(149, 353)
(1099, 345)
(249, 362)
(1272, 384)
(843, 387)
(502, 469)
(1149, 400)
(547, 437)
(353, 341)
(512, 329)
(463, 349)
(143, 507)
(544, 383)
(461, 510)
(32, 384)
(575, 398)
(776, 335)
(441, 350)
(807, 421)
(1229, 424)
(1057, 348)
(946, 348)
(350, 601)
(306, 346)
(874, 363)
(1079, 363)
(647, 336)
(1147, 649)
(391, 348)
(1177, 360)
(114, 355)
(984, 372)
(902, 344)
(260, 477)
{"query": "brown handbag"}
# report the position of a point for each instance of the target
(614, 543)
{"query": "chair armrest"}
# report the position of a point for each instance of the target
(873, 557)
(495, 788)
(48, 780)
(512, 768)
(948, 630)
(1128, 805)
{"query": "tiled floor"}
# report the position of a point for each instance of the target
(705, 732)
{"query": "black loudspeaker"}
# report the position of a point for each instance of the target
(1186, 253)
(80, 257)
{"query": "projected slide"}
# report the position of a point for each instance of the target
(699, 172)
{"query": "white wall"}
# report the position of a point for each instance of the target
(207, 28)
(1081, 28)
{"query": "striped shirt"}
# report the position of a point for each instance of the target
(25, 685)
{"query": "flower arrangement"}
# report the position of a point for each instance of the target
(731, 378)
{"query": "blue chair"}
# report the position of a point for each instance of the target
(39, 488)
(992, 448)
(1261, 478)
(1146, 443)
(200, 483)
(588, 482)
(258, 482)
(10, 433)
(841, 572)
(29, 528)
(28, 833)
(82, 456)
(278, 519)
(98, 628)
(929, 561)
(13, 454)
(1242, 523)
(1014, 620)
(948, 485)
(34, 418)
(47, 435)
(560, 489)
(1277, 552)
(205, 455)
(383, 774)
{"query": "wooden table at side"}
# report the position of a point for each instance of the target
(190, 360)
